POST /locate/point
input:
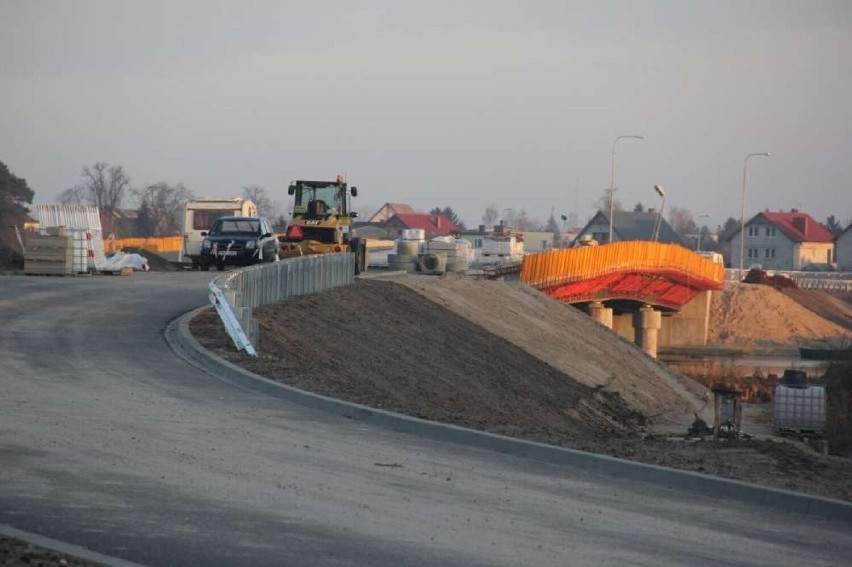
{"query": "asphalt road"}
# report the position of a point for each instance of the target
(108, 440)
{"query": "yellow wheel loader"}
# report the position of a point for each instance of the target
(321, 220)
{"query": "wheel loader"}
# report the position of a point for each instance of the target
(321, 220)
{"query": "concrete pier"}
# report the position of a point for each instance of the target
(646, 325)
(601, 314)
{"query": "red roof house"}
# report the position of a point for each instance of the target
(784, 241)
(432, 225)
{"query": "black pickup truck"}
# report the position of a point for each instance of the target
(238, 241)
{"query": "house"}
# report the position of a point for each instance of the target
(629, 225)
(432, 225)
(388, 210)
(843, 250)
(536, 241)
(783, 241)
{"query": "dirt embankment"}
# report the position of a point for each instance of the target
(757, 317)
(502, 358)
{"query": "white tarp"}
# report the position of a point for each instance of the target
(121, 260)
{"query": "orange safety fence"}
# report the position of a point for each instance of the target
(567, 265)
(160, 244)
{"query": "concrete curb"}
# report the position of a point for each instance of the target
(184, 344)
(65, 548)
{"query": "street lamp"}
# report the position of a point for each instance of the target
(662, 193)
(742, 207)
(700, 232)
(612, 179)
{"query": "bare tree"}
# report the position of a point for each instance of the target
(163, 207)
(72, 196)
(602, 203)
(682, 221)
(491, 215)
(103, 185)
(258, 194)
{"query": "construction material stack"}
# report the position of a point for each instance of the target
(444, 254)
(407, 249)
(49, 254)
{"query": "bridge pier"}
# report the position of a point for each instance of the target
(646, 327)
(601, 314)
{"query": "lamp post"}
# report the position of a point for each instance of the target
(612, 179)
(700, 232)
(662, 193)
(742, 207)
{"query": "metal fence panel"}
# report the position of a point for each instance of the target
(264, 284)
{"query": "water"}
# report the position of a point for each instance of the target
(741, 365)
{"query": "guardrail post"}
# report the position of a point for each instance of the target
(243, 314)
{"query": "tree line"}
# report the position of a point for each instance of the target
(159, 205)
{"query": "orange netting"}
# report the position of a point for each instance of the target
(162, 244)
(566, 265)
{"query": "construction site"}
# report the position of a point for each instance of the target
(502, 357)
(640, 351)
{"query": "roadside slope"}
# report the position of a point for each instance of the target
(565, 338)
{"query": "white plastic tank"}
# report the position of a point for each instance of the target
(799, 409)
(413, 234)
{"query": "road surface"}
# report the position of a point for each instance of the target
(110, 441)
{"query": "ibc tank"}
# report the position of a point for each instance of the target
(799, 409)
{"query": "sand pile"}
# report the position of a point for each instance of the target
(754, 317)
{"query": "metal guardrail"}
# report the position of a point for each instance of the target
(247, 288)
(818, 281)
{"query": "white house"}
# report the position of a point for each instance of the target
(783, 241)
(843, 250)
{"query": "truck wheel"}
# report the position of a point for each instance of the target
(220, 266)
(204, 266)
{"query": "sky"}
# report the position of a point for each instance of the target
(463, 104)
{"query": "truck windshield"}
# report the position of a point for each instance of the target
(327, 196)
(248, 227)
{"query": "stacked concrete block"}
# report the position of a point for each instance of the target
(49, 254)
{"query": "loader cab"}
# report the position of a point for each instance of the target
(321, 199)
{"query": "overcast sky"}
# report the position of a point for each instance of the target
(439, 103)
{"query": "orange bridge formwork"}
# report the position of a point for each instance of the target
(663, 275)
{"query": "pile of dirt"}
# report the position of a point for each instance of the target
(564, 338)
(16, 553)
(837, 309)
(756, 317)
(383, 345)
(10, 259)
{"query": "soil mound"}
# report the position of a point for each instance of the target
(755, 317)
(381, 344)
(565, 338)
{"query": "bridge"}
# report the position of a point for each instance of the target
(628, 286)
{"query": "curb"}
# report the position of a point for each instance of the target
(65, 548)
(177, 335)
